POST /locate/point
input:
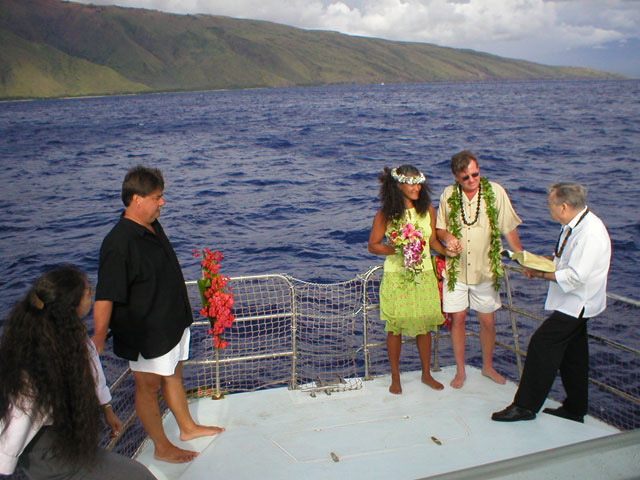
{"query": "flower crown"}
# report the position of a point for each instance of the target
(411, 180)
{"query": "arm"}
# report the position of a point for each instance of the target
(16, 431)
(452, 244)
(589, 256)
(377, 235)
(434, 242)
(513, 240)
(112, 420)
(443, 235)
(529, 273)
(102, 391)
(101, 315)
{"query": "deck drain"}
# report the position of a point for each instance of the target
(335, 457)
(436, 440)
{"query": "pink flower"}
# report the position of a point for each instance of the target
(408, 240)
(215, 295)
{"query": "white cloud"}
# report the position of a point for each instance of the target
(534, 29)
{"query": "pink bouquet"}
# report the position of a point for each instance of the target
(408, 241)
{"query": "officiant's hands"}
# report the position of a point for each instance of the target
(531, 273)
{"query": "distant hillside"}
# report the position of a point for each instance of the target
(52, 48)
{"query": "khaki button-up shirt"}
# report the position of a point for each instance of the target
(474, 265)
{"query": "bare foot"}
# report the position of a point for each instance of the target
(493, 375)
(395, 387)
(174, 454)
(200, 431)
(432, 382)
(458, 380)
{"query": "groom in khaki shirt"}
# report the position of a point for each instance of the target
(474, 282)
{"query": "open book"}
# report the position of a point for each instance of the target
(531, 260)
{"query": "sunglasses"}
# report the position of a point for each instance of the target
(467, 177)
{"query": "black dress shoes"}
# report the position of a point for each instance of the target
(513, 413)
(564, 413)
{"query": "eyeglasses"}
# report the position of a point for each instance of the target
(467, 177)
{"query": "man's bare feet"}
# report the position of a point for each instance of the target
(395, 387)
(200, 431)
(458, 380)
(174, 454)
(493, 375)
(432, 382)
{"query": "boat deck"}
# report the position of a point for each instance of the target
(366, 433)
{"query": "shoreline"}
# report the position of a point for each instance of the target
(163, 92)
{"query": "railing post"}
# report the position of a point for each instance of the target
(293, 383)
(436, 352)
(514, 324)
(365, 324)
(218, 395)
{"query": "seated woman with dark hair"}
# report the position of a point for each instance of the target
(52, 387)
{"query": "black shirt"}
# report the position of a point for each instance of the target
(139, 272)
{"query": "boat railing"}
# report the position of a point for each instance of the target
(325, 338)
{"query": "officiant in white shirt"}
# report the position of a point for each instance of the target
(577, 292)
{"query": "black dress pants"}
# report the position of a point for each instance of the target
(560, 343)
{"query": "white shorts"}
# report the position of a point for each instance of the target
(483, 298)
(167, 363)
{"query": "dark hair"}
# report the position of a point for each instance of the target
(141, 181)
(44, 357)
(391, 196)
(461, 160)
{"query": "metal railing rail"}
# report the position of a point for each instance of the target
(288, 315)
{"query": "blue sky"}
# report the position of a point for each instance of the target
(601, 34)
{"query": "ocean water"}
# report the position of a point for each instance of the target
(285, 180)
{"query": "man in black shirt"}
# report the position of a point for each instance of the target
(141, 296)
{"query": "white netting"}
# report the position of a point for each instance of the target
(326, 337)
(326, 340)
(260, 349)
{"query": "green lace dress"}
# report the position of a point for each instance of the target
(410, 307)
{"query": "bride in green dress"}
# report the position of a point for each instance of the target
(409, 296)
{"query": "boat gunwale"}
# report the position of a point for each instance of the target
(365, 346)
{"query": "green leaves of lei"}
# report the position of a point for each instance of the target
(455, 205)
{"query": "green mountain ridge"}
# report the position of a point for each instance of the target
(52, 48)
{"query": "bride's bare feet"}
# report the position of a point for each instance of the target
(458, 380)
(493, 375)
(200, 431)
(432, 382)
(173, 454)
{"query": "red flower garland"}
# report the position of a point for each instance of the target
(440, 265)
(215, 296)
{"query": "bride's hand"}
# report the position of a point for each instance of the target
(451, 253)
